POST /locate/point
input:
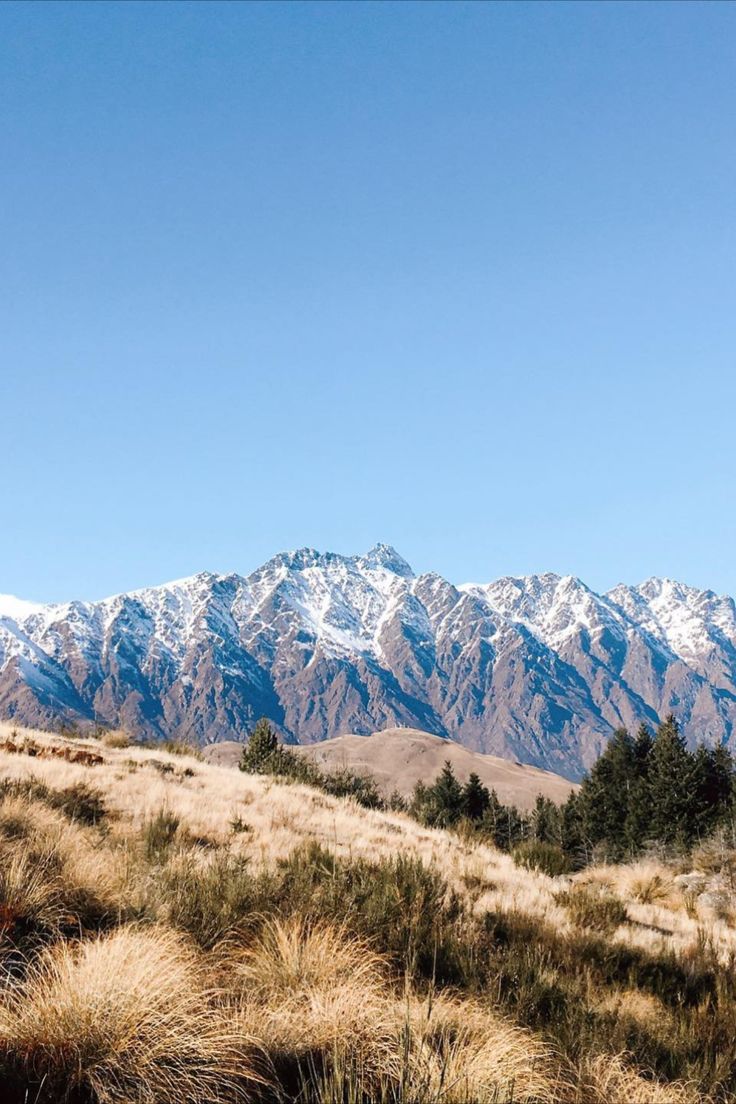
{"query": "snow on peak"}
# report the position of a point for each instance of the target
(17, 608)
(386, 557)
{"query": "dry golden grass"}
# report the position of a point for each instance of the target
(125, 1017)
(137, 1016)
(316, 996)
(611, 1080)
(460, 1053)
(138, 782)
(116, 738)
(53, 873)
(310, 992)
(295, 957)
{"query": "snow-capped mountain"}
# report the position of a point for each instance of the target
(538, 668)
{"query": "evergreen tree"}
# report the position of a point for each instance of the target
(605, 795)
(571, 831)
(447, 797)
(674, 801)
(712, 788)
(259, 753)
(637, 826)
(546, 821)
(475, 798)
(441, 804)
(503, 823)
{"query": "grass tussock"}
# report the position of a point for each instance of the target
(54, 879)
(119, 1018)
(115, 739)
(612, 1079)
(314, 995)
(318, 999)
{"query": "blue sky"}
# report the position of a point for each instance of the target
(455, 277)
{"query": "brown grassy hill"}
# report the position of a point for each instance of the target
(173, 930)
(398, 758)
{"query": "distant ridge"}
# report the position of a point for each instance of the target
(539, 668)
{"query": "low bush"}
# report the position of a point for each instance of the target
(80, 802)
(546, 857)
(211, 898)
(593, 907)
(115, 739)
(264, 755)
(159, 833)
(181, 747)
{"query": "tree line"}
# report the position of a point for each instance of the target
(645, 790)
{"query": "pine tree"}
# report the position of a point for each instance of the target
(671, 780)
(447, 797)
(503, 823)
(712, 787)
(637, 826)
(606, 793)
(475, 798)
(571, 831)
(546, 821)
(258, 754)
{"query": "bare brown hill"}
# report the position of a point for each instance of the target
(398, 758)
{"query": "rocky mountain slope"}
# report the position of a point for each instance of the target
(538, 668)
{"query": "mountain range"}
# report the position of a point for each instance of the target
(538, 668)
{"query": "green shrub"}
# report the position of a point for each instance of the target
(181, 747)
(362, 788)
(79, 802)
(399, 904)
(593, 908)
(211, 900)
(158, 835)
(546, 857)
(264, 755)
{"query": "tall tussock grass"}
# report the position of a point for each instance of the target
(119, 1018)
(334, 1028)
(53, 878)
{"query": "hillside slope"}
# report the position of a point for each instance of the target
(189, 931)
(182, 930)
(398, 758)
(538, 669)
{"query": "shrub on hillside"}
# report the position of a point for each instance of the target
(264, 755)
(212, 899)
(549, 858)
(593, 907)
(115, 739)
(159, 833)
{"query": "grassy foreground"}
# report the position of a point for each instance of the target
(173, 931)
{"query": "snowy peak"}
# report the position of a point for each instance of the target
(384, 557)
(17, 608)
(692, 623)
(539, 667)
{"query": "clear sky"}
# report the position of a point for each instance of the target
(457, 277)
